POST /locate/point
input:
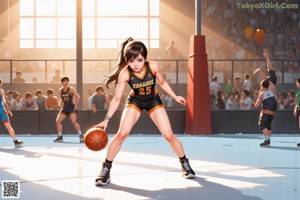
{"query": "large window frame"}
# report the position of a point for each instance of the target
(52, 23)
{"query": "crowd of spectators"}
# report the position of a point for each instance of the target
(242, 95)
(227, 22)
(18, 101)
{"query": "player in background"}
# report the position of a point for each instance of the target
(297, 105)
(4, 117)
(267, 101)
(68, 103)
(141, 75)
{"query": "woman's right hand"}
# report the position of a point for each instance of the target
(102, 125)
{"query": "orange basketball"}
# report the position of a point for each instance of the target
(95, 139)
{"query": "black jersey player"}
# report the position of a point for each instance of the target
(68, 102)
(141, 75)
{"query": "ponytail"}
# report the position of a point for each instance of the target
(122, 63)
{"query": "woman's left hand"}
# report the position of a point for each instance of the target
(181, 100)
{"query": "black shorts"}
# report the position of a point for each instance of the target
(272, 77)
(148, 104)
(265, 121)
(67, 110)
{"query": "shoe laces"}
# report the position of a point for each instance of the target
(186, 166)
(105, 170)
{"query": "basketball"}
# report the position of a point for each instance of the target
(95, 139)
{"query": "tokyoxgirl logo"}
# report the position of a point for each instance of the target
(267, 5)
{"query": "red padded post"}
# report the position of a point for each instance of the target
(198, 116)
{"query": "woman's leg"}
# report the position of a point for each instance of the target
(129, 118)
(161, 119)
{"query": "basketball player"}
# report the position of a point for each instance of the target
(141, 75)
(4, 112)
(297, 105)
(68, 103)
(266, 99)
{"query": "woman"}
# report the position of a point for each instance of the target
(141, 75)
(4, 113)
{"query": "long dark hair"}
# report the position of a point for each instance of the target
(130, 49)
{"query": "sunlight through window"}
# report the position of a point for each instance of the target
(52, 23)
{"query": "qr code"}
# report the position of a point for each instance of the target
(10, 189)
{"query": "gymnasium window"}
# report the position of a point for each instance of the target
(105, 23)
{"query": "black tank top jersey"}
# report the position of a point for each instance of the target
(66, 97)
(269, 101)
(142, 87)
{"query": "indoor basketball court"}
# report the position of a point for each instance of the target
(70, 47)
(227, 167)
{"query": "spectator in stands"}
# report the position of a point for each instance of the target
(29, 103)
(14, 94)
(213, 102)
(237, 86)
(171, 50)
(290, 100)
(51, 102)
(99, 99)
(56, 78)
(230, 102)
(214, 87)
(247, 83)
(281, 101)
(18, 103)
(237, 99)
(40, 100)
(228, 87)
(246, 101)
(220, 104)
(9, 98)
(89, 101)
(19, 78)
